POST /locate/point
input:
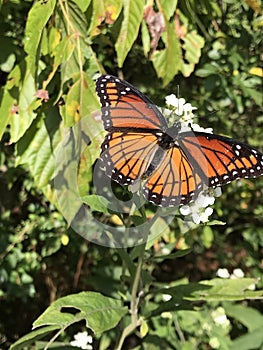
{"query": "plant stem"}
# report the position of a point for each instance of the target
(135, 321)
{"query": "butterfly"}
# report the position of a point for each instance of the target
(174, 165)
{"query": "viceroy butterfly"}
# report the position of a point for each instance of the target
(176, 166)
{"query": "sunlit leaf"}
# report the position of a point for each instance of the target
(82, 4)
(133, 14)
(168, 61)
(35, 149)
(37, 19)
(100, 313)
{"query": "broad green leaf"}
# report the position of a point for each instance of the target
(208, 69)
(82, 103)
(76, 23)
(93, 62)
(37, 19)
(100, 313)
(63, 51)
(96, 203)
(227, 289)
(168, 61)
(215, 289)
(26, 101)
(193, 43)
(112, 10)
(36, 147)
(7, 102)
(98, 15)
(167, 7)
(249, 341)
(133, 15)
(82, 4)
(248, 316)
(31, 337)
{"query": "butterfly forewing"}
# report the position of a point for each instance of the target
(123, 106)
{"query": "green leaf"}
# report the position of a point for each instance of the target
(31, 337)
(133, 15)
(98, 15)
(96, 203)
(100, 313)
(168, 62)
(38, 17)
(7, 102)
(27, 101)
(82, 4)
(167, 7)
(193, 43)
(146, 39)
(82, 102)
(249, 341)
(178, 254)
(208, 69)
(36, 147)
(63, 51)
(251, 318)
(227, 289)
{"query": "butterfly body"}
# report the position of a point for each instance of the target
(174, 165)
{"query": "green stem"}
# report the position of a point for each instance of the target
(135, 321)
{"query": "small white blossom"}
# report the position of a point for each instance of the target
(199, 210)
(214, 343)
(82, 341)
(166, 297)
(220, 318)
(223, 273)
(179, 105)
(237, 273)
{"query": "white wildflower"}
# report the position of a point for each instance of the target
(220, 318)
(179, 105)
(166, 297)
(223, 273)
(214, 343)
(237, 273)
(82, 341)
(200, 209)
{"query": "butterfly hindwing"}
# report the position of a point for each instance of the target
(221, 159)
(174, 181)
(127, 155)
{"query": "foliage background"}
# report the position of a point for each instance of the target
(51, 52)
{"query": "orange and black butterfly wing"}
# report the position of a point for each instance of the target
(175, 181)
(126, 155)
(132, 122)
(123, 106)
(219, 159)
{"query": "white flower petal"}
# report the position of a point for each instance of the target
(223, 273)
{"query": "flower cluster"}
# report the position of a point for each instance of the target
(200, 209)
